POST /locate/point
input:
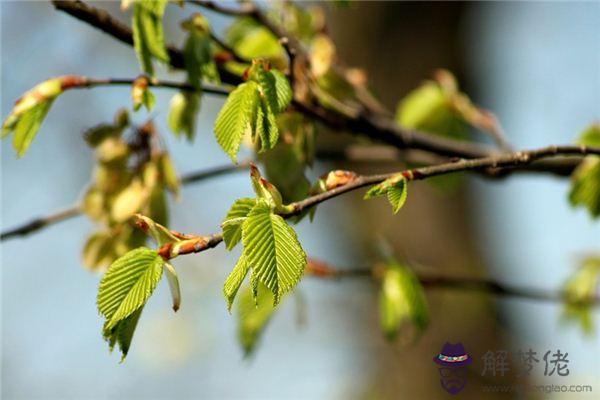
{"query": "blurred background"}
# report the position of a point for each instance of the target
(536, 65)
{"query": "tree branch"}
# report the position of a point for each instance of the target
(320, 269)
(41, 222)
(493, 166)
(79, 82)
(490, 164)
(513, 160)
(379, 129)
(75, 210)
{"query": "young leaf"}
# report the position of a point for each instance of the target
(122, 333)
(401, 300)
(266, 126)
(159, 233)
(274, 86)
(396, 189)
(236, 117)
(173, 285)
(98, 251)
(183, 109)
(168, 174)
(253, 316)
(148, 37)
(234, 280)
(251, 40)
(128, 284)
(29, 112)
(232, 224)
(197, 51)
(129, 201)
(397, 195)
(272, 250)
(266, 190)
(585, 187)
(591, 136)
(429, 109)
(579, 291)
(141, 95)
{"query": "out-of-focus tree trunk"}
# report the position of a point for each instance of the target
(400, 44)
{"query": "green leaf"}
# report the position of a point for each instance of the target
(141, 94)
(99, 133)
(29, 112)
(173, 285)
(266, 126)
(129, 201)
(122, 333)
(585, 186)
(168, 174)
(128, 284)
(273, 84)
(579, 291)
(251, 40)
(266, 191)
(183, 110)
(27, 127)
(401, 300)
(396, 189)
(282, 89)
(159, 233)
(591, 136)
(234, 280)
(272, 250)
(232, 224)
(428, 109)
(236, 117)
(197, 51)
(148, 37)
(285, 164)
(253, 316)
(98, 251)
(397, 195)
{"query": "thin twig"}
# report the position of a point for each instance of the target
(513, 160)
(320, 269)
(41, 222)
(376, 128)
(78, 82)
(493, 163)
(75, 210)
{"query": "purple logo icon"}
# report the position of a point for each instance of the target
(452, 362)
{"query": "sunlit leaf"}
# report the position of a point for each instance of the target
(232, 224)
(128, 284)
(401, 300)
(234, 280)
(183, 110)
(272, 250)
(585, 186)
(29, 112)
(236, 117)
(148, 37)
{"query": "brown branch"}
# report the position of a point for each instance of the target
(79, 82)
(493, 166)
(41, 222)
(490, 164)
(381, 130)
(320, 269)
(512, 160)
(75, 210)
